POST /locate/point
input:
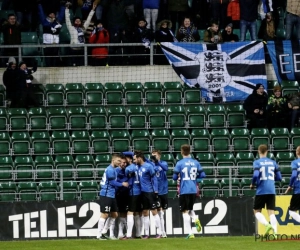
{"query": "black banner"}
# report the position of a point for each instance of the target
(79, 219)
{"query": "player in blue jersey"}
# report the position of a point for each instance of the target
(122, 203)
(146, 175)
(266, 172)
(134, 201)
(161, 168)
(189, 171)
(108, 203)
(295, 186)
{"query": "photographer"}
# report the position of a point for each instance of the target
(24, 84)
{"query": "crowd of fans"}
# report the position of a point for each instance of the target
(141, 21)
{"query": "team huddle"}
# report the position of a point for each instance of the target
(132, 186)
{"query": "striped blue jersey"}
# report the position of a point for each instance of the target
(132, 173)
(107, 189)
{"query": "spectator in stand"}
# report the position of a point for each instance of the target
(267, 31)
(264, 7)
(9, 80)
(187, 32)
(87, 5)
(163, 34)
(200, 12)
(24, 11)
(219, 11)
(234, 13)
(119, 29)
(77, 31)
(227, 34)
(292, 18)
(248, 18)
(163, 12)
(51, 29)
(11, 30)
(151, 13)
(24, 84)
(178, 10)
(99, 54)
(212, 34)
(255, 106)
(145, 36)
(277, 109)
(293, 101)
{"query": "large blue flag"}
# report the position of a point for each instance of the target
(285, 56)
(224, 72)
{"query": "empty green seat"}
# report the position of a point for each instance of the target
(176, 116)
(55, 94)
(210, 187)
(26, 164)
(97, 118)
(27, 191)
(6, 164)
(161, 139)
(18, 119)
(45, 164)
(48, 191)
(74, 94)
(102, 161)
(191, 95)
(133, 93)
(172, 93)
(225, 163)
(220, 140)
(235, 115)
(259, 136)
(120, 140)
(225, 187)
(58, 119)
(4, 124)
(206, 160)
(240, 138)
(196, 116)
(4, 143)
(61, 142)
(38, 119)
(216, 116)
(285, 159)
(80, 142)
(69, 190)
(77, 118)
(179, 137)
(66, 165)
(153, 93)
(39, 93)
(137, 117)
(113, 93)
(117, 117)
(85, 166)
(280, 139)
(88, 190)
(141, 140)
(20, 143)
(100, 142)
(8, 191)
(41, 144)
(94, 93)
(157, 117)
(200, 140)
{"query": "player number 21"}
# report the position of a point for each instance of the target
(267, 175)
(189, 175)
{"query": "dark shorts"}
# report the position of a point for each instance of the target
(260, 201)
(295, 202)
(148, 201)
(134, 203)
(162, 202)
(186, 201)
(108, 204)
(122, 202)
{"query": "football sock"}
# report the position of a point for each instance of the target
(187, 223)
(261, 218)
(146, 221)
(106, 225)
(122, 224)
(294, 215)
(273, 222)
(100, 226)
(138, 225)
(193, 215)
(129, 225)
(162, 220)
(112, 227)
(157, 224)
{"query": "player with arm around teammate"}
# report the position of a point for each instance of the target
(266, 172)
(108, 203)
(189, 170)
(295, 186)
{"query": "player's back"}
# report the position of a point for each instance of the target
(106, 188)
(146, 173)
(296, 166)
(162, 179)
(188, 170)
(266, 180)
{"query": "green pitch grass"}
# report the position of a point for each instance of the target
(205, 243)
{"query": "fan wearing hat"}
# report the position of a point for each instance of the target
(9, 80)
(255, 106)
(227, 34)
(277, 109)
(24, 84)
(293, 102)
